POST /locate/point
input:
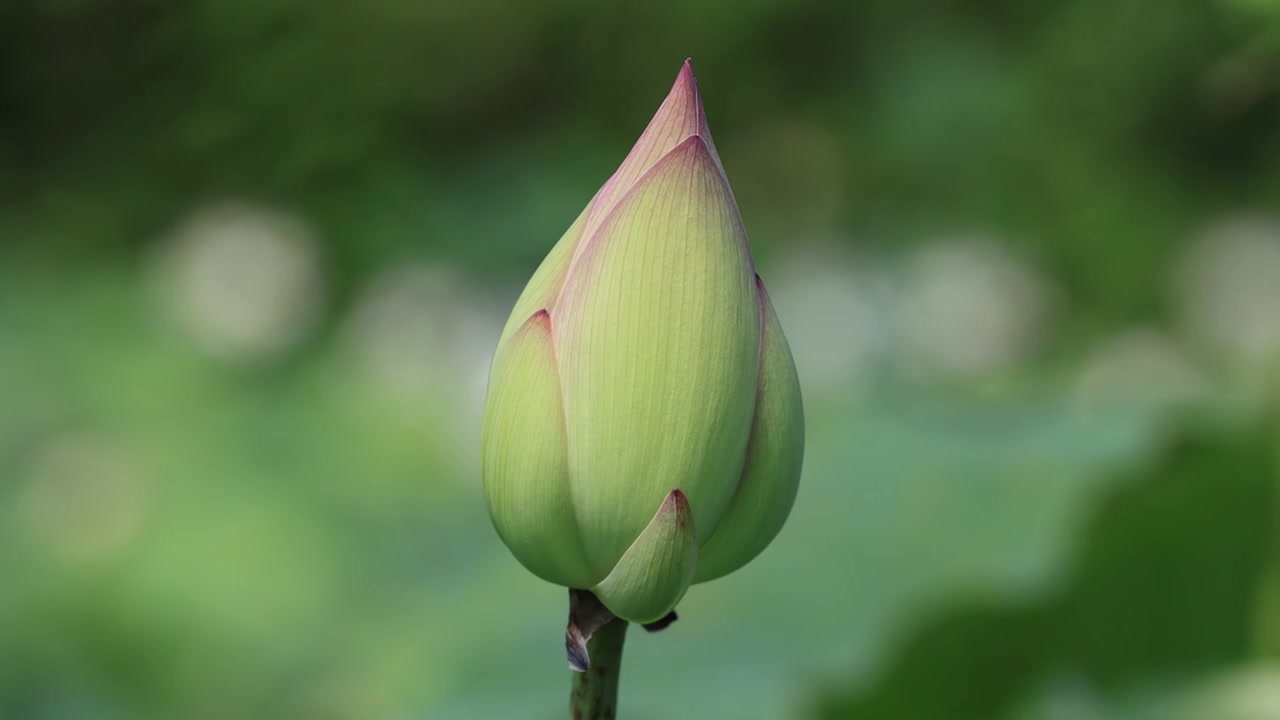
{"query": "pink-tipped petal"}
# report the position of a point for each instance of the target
(656, 570)
(544, 287)
(680, 117)
(658, 343)
(524, 460)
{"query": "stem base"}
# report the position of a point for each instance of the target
(595, 692)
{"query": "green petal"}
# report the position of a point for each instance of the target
(525, 469)
(654, 573)
(774, 456)
(657, 337)
(678, 118)
(543, 288)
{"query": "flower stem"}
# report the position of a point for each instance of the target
(595, 692)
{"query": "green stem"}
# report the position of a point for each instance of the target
(595, 692)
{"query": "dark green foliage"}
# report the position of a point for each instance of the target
(1163, 588)
(309, 541)
(1081, 130)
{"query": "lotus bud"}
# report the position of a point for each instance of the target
(643, 428)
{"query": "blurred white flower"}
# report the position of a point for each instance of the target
(419, 328)
(425, 333)
(1228, 290)
(833, 307)
(1250, 693)
(1140, 368)
(968, 307)
(1065, 696)
(82, 497)
(245, 282)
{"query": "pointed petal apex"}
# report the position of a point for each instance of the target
(684, 94)
(656, 570)
(678, 118)
(676, 507)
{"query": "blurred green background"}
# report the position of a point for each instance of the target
(255, 254)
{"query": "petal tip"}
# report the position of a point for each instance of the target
(539, 322)
(686, 73)
(653, 574)
(684, 95)
(693, 146)
(677, 504)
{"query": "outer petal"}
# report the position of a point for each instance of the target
(525, 465)
(656, 570)
(657, 338)
(679, 117)
(543, 288)
(774, 456)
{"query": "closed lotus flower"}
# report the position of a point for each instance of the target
(643, 429)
